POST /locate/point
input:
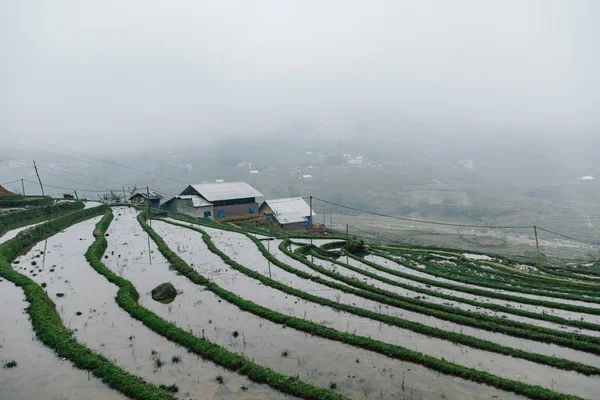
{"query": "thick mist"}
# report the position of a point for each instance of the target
(101, 75)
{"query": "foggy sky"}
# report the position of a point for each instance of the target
(92, 74)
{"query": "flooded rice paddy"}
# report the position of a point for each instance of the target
(85, 301)
(244, 251)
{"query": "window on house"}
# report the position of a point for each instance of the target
(221, 213)
(251, 210)
(207, 214)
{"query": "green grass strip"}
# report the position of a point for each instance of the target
(47, 323)
(24, 201)
(567, 290)
(490, 306)
(476, 316)
(127, 298)
(409, 325)
(453, 314)
(487, 284)
(487, 293)
(33, 215)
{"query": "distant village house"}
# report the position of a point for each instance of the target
(219, 201)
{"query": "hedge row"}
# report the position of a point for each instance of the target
(127, 298)
(413, 326)
(48, 325)
(24, 201)
(34, 215)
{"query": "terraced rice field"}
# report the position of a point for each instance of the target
(275, 317)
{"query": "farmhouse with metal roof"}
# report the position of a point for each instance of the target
(291, 213)
(219, 201)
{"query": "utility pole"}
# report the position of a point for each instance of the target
(38, 176)
(330, 223)
(123, 187)
(23, 186)
(537, 245)
(148, 206)
(77, 197)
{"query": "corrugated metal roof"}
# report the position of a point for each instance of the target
(289, 210)
(153, 195)
(197, 201)
(226, 191)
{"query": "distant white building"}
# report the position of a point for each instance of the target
(306, 176)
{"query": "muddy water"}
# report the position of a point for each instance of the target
(88, 307)
(40, 374)
(315, 360)
(404, 269)
(190, 246)
(537, 309)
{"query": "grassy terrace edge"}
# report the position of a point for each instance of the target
(47, 323)
(34, 215)
(571, 290)
(489, 306)
(393, 351)
(127, 298)
(358, 288)
(487, 293)
(476, 318)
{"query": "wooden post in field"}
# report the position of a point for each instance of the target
(38, 176)
(269, 251)
(310, 214)
(346, 243)
(148, 206)
(537, 245)
(23, 186)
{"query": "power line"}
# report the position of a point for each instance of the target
(86, 155)
(68, 188)
(8, 183)
(420, 220)
(567, 237)
(72, 181)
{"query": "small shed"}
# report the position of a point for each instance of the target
(190, 204)
(142, 197)
(291, 213)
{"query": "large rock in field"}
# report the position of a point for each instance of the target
(97, 233)
(164, 291)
